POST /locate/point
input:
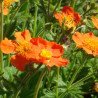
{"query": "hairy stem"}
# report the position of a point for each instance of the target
(48, 7)
(1, 35)
(16, 95)
(57, 83)
(37, 87)
(35, 20)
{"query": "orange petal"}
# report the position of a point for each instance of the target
(19, 62)
(5, 11)
(68, 10)
(56, 49)
(95, 21)
(89, 51)
(60, 16)
(78, 39)
(57, 62)
(77, 18)
(7, 46)
(40, 42)
(95, 53)
(89, 35)
(18, 36)
(57, 15)
(16, 0)
(26, 35)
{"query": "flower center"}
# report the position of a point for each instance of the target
(69, 21)
(91, 44)
(46, 54)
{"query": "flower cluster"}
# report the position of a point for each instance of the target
(27, 50)
(68, 17)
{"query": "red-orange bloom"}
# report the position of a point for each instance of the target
(27, 50)
(95, 21)
(68, 17)
(87, 42)
(21, 48)
(7, 4)
(48, 53)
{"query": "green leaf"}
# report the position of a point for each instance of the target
(24, 7)
(9, 72)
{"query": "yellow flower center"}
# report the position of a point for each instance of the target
(91, 44)
(23, 47)
(69, 21)
(46, 54)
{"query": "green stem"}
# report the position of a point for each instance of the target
(49, 7)
(16, 95)
(57, 83)
(4, 96)
(37, 87)
(8, 60)
(26, 11)
(1, 36)
(35, 20)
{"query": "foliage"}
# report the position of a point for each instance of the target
(77, 79)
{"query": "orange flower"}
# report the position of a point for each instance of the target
(87, 42)
(95, 21)
(68, 17)
(21, 48)
(7, 4)
(48, 53)
(27, 50)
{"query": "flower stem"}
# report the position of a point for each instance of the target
(35, 20)
(48, 7)
(1, 35)
(8, 60)
(57, 82)
(20, 87)
(37, 87)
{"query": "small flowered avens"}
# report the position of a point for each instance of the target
(21, 48)
(48, 53)
(95, 21)
(26, 50)
(88, 42)
(68, 17)
(7, 4)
